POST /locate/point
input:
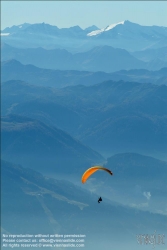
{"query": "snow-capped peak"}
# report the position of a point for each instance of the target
(4, 34)
(109, 27)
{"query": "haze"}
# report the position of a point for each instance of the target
(83, 13)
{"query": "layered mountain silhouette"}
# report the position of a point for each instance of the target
(62, 78)
(111, 117)
(102, 58)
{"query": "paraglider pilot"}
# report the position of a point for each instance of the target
(100, 199)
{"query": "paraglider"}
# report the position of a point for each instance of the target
(91, 171)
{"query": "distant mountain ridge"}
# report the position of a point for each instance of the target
(93, 30)
(133, 28)
(151, 54)
(125, 35)
(101, 58)
(16, 28)
(44, 27)
(110, 117)
(63, 78)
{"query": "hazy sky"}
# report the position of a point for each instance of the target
(83, 13)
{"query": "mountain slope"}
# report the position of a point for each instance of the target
(50, 206)
(48, 149)
(151, 54)
(101, 58)
(49, 78)
(144, 178)
(107, 59)
(38, 103)
(130, 116)
(132, 36)
(62, 78)
(111, 117)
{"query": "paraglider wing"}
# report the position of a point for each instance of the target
(91, 171)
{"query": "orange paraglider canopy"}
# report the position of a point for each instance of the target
(91, 171)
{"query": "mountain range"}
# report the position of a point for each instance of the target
(124, 35)
(62, 78)
(102, 58)
(110, 117)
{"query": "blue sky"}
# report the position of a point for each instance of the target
(83, 13)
